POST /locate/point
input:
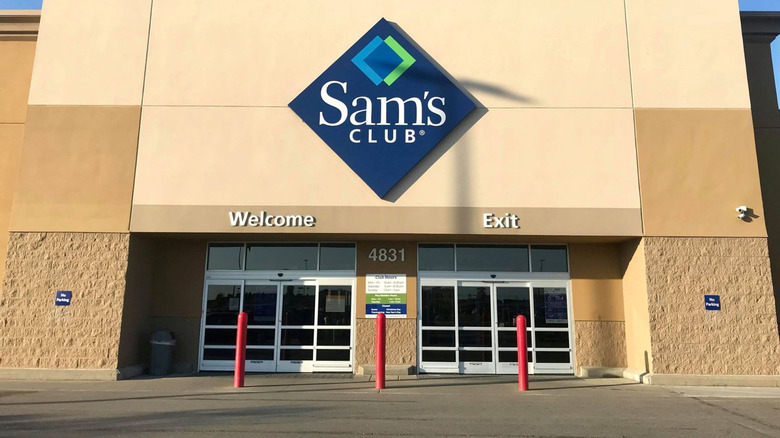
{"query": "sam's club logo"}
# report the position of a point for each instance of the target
(383, 60)
(382, 107)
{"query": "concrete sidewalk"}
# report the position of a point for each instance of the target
(336, 405)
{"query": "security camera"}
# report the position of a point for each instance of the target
(280, 274)
(742, 210)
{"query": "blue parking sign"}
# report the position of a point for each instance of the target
(63, 298)
(712, 302)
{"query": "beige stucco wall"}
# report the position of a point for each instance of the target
(11, 136)
(686, 54)
(597, 304)
(635, 307)
(741, 338)
(15, 70)
(34, 333)
(263, 53)
(76, 171)
(401, 342)
(91, 52)
(599, 344)
(597, 292)
(231, 156)
(696, 167)
(16, 60)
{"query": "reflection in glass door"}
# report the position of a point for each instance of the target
(475, 334)
(292, 326)
(511, 301)
(469, 327)
(223, 302)
(260, 304)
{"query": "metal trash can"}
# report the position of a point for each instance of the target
(162, 352)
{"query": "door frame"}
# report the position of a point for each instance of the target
(529, 280)
(244, 278)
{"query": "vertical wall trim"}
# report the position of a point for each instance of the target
(141, 112)
(633, 106)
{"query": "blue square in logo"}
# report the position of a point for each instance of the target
(383, 60)
(382, 106)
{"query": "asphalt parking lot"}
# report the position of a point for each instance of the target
(314, 405)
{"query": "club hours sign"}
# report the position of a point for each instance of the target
(386, 293)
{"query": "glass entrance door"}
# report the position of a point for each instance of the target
(293, 326)
(261, 303)
(510, 301)
(476, 346)
(469, 326)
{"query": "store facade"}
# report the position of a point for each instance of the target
(450, 167)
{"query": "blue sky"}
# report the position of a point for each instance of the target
(767, 5)
(20, 4)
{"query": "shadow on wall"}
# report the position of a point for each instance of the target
(463, 183)
(759, 59)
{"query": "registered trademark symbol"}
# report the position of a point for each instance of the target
(422, 132)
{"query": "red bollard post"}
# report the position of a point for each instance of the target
(238, 373)
(380, 351)
(522, 354)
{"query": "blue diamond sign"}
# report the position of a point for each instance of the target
(382, 107)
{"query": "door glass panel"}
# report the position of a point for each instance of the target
(222, 304)
(510, 302)
(297, 337)
(550, 308)
(281, 257)
(296, 354)
(509, 339)
(220, 337)
(552, 357)
(438, 306)
(436, 257)
(260, 336)
(511, 356)
(476, 356)
(547, 258)
(438, 338)
(225, 257)
(552, 339)
(335, 306)
(260, 304)
(475, 338)
(333, 337)
(438, 356)
(337, 257)
(259, 354)
(298, 305)
(219, 354)
(474, 306)
(495, 258)
(332, 354)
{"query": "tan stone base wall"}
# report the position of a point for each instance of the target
(401, 342)
(600, 344)
(740, 339)
(34, 333)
